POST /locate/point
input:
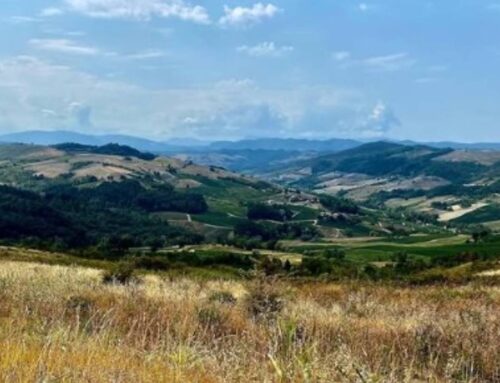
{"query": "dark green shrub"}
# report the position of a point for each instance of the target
(122, 273)
(334, 254)
(152, 263)
(271, 265)
(315, 266)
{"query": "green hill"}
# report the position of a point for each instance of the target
(389, 159)
(385, 170)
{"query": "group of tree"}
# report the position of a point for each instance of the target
(109, 149)
(267, 231)
(130, 194)
(339, 205)
(112, 216)
(262, 211)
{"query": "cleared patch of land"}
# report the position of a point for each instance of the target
(360, 186)
(459, 211)
(485, 157)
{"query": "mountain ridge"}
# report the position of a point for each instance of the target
(182, 144)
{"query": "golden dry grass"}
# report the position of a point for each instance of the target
(61, 324)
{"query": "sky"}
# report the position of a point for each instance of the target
(232, 69)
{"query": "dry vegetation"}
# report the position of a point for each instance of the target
(62, 324)
(52, 163)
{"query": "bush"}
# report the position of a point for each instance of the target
(122, 273)
(264, 300)
(271, 265)
(334, 254)
(152, 263)
(316, 266)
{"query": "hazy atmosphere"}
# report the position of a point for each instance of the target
(420, 70)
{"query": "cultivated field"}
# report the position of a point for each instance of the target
(62, 324)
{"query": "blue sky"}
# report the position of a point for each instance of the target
(404, 69)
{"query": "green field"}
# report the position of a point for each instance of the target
(218, 219)
(376, 250)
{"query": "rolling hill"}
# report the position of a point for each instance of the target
(74, 195)
(59, 193)
(429, 179)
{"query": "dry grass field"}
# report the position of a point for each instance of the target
(63, 324)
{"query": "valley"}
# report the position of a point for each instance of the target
(152, 268)
(342, 214)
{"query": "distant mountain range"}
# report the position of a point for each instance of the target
(61, 137)
(288, 144)
(457, 145)
(178, 146)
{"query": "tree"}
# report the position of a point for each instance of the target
(339, 205)
(334, 254)
(480, 234)
(271, 265)
(258, 211)
(287, 266)
(316, 265)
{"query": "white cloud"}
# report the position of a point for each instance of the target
(68, 46)
(239, 16)
(364, 7)
(64, 46)
(140, 9)
(81, 113)
(256, 119)
(35, 94)
(389, 63)
(341, 56)
(49, 12)
(380, 121)
(146, 55)
(265, 49)
(22, 20)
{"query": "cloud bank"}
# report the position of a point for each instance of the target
(34, 94)
(265, 49)
(140, 9)
(242, 16)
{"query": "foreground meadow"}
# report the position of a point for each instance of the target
(63, 324)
